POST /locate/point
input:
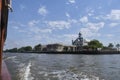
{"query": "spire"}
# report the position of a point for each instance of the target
(80, 34)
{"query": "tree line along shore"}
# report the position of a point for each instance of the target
(93, 46)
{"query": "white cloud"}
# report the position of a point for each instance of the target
(90, 10)
(109, 35)
(35, 27)
(95, 26)
(73, 21)
(114, 15)
(65, 38)
(17, 26)
(59, 24)
(36, 34)
(46, 30)
(43, 11)
(67, 14)
(14, 23)
(90, 14)
(38, 30)
(11, 44)
(114, 24)
(33, 23)
(70, 36)
(89, 33)
(91, 29)
(32, 27)
(97, 17)
(84, 19)
(71, 1)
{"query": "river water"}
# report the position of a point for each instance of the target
(31, 66)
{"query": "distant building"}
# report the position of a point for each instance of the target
(78, 42)
(69, 48)
(55, 47)
(43, 48)
(85, 42)
(77, 45)
(59, 47)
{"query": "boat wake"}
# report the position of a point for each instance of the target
(24, 72)
(27, 72)
(7, 58)
(67, 75)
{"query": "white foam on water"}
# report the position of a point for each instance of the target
(67, 75)
(24, 71)
(11, 58)
(27, 71)
(27, 74)
(7, 58)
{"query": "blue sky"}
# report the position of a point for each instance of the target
(60, 21)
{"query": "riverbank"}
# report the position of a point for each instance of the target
(71, 52)
(82, 52)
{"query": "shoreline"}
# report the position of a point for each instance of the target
(71, 52)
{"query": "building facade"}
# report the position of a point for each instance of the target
(78, 42)
(55, 47)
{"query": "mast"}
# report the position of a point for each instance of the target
(4, 6)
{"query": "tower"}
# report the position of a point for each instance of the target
(79, 41)
(80, 35)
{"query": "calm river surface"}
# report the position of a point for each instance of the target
(25, 66)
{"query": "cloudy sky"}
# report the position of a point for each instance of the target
(60, 21)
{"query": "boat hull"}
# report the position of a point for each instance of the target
(5, 73)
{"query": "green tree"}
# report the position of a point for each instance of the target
(38, 47)
(110, 45)
(12, 50)
(28, 48)
(25, 49)
(21, 49)
(94, 44)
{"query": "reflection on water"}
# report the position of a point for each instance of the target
(63, 66)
